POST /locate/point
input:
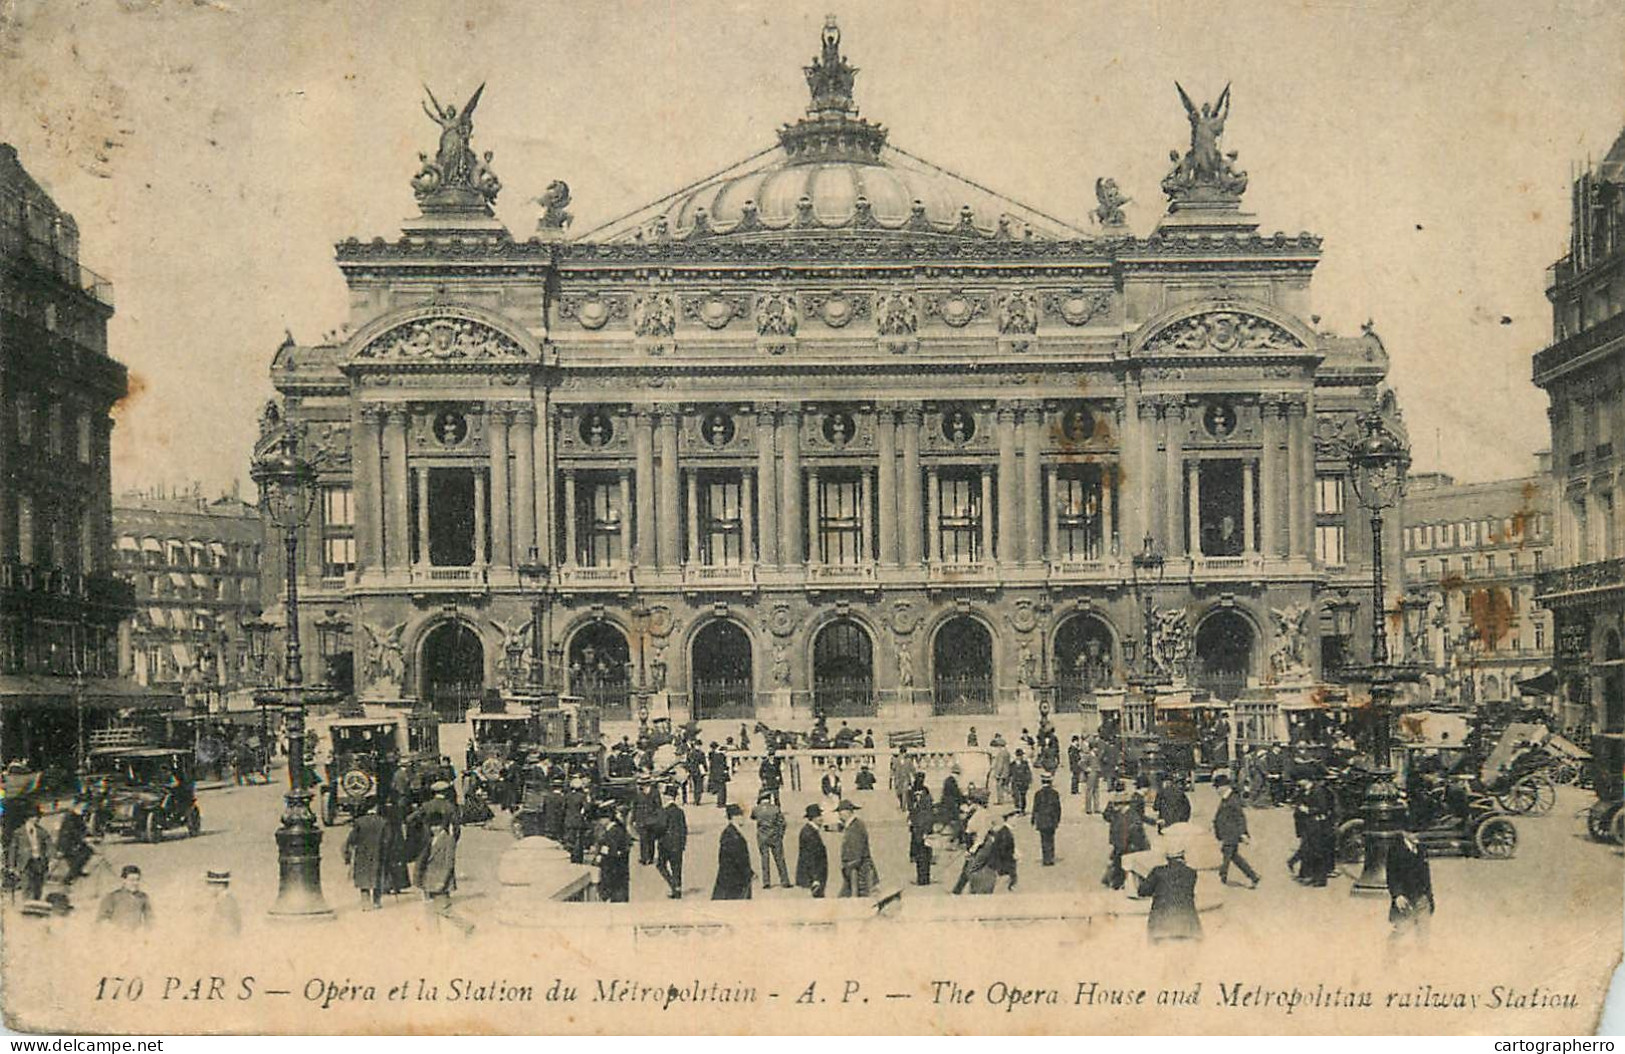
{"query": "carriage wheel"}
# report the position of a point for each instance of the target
(1351, 842)
(1542, 793)
(1519, 798)
(1496, 838)
(150, 831)
(1616, 827)
(1565, 772)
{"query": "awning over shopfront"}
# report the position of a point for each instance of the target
(127, 544)
(176, 578)
(182, 655)
(150, 545)
(218, 550)
(1542, 683)
(22, 691)
(158, 618)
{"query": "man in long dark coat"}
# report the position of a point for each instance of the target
(671, 839)
(645, 812)
(859, 876)
(951, 803)
(367, 850)
(72, 841)
(772, 775)
(1410, 888)
(1047, 818)
(921, 820)
(553, 811)
(614, 860)
(1004, 848)
(1172, 889)
(812, 857)
(734, 872)
(717, 770)
(1173, 805)
(1230, 827)
(1125, 819)
(696, 775)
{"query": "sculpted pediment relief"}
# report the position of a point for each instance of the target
(1223, 333)
(446, 339)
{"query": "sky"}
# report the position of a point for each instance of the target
(213, 151)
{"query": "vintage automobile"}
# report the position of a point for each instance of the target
(499, 743)
(148, 790)
(545, 765)
(1517, 769)
(1605, 820)
(365, 754)
(1450, 817)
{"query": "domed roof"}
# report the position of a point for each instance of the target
(834, 170)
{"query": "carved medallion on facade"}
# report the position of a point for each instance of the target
(1077, 423)
(718, 429)
(1023, 617)
(654, 314)
(715, 310)
(838, 428)
(958, 425)
(593, 311)
(896, 315)
(1076, 307)
(955, 308)
(905, 616)
(1219, 420)
(1225, 332)
(596, 429)
(776, 315)
(781, 621)
(1018, 312)
(836, 309)
(442, 340)
(450, 428)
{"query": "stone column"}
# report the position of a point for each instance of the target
(767, 522)
(1009, 532)
(747, 520)
(1127, 419)
(501, 552)
(1193, 516)
(987, 515)
(814, 549)
(482, 555)
(910, 527)
(368, 507)
(886, 444)
(1297, 487)
(693, 517)
(1032, 495)
(669, 500)
(1108, 511)
(1146, 517)
(1267, 485)
(543, 473)
(397, 539)
(865, 518)
(790, 525)
(1173, 473)
(646, 552)
(423, 519)
(1249, 537)
(933, 515)
(523, 443)
(1051, 477)
(572, 542)
(626, 516)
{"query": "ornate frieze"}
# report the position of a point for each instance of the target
(654, 314)
(718, 430)
(328, 445)
(441, 339)
(897, 314)
(715, 310)
(1224, 333)
(1076, 307)
(452, 429)
(586, 431)
(836, 309)
(1018, 312)
(593, 310)
(956, 308)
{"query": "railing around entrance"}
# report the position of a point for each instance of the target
(1075, 692)
(963, 695)
(613, 700)
(1223, 684)
(845, 696)
(452, 700)
(723, 699)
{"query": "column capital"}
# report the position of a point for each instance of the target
(371, 414)
(524, 414)
(913, 414)
(666, 413)
(398, 415)
(1006, 414)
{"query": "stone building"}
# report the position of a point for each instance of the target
(60, 606)
(194, 564)
(835, 427)
(1583, 374)
(1472, 552)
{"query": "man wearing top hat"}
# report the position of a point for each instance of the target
(812, 858)
(734, 873)
(1047, 817)
(859, 876)
(614, 858)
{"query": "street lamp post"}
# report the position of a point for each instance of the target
(1147, 568)
(287, 486)
(536, 573)
(1378, 461)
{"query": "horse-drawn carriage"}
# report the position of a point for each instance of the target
(1605, 819)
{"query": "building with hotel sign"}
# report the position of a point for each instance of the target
(833, 429)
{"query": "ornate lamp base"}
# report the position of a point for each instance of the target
(299, 871)
(1383, 813)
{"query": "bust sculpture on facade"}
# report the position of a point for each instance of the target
(1205, 173)
(1110, 210)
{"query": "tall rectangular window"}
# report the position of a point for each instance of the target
(1540, 636)
(1329, 495)
(959, 521)
(1329, 545)
(25, 421)
(1078, 512)
(25, 528)
(722, 523)
(338, 532)
(84, 437)
(1329, 526)
(840, 519)
(54, 435)
(600, 527)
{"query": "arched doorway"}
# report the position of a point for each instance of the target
(1224, 654)
(600, 670)
(962, 667)
(453, 670)
(1083, 661)
(1613, 684)
(720, 672)
(843, 670)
